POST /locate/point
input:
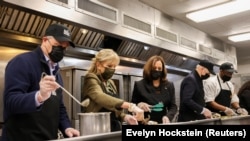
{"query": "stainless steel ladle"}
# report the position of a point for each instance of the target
(84, 103)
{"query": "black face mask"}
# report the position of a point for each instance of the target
(57, 53)
(156, 74)
(225, 78)
(206, 76)
(108, 73)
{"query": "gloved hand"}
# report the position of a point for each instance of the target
(144, 106)
(207, 113)
(241, 111)
(47, 85)
(137, 112)
(130, 120)
(165, 120)
(229, 112)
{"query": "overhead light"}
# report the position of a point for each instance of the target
(239, 37)
(84, 31)
(218, 11)
(146, 48)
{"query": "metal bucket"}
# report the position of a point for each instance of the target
(94, 123)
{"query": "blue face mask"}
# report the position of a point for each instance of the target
(57, 53)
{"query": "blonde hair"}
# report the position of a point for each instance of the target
(103, 56)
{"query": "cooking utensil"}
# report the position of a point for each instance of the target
(157, 107)
(84, 103)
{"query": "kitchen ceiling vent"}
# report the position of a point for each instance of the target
(97, 9)
(218, 54)
(145, 54)
(172, 59)
(111, 42)
(188, 43)
(89, 40)
(166, 35)
(20, 22)
(136, 24)
(231, 59)
(205, 50)
(25, 23)
(130, 49)
(63, 3)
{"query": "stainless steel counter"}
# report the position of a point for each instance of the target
(215, 121)
(112, 136)
(236, 120)
(117, 136)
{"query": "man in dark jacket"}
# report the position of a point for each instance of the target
(33, 103)
(192, 102)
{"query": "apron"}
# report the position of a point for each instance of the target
(38, 125)
(224, 98)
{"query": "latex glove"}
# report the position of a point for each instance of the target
(47, 85)
(71, 132)
(144, 106)
(229, 112)
(165, 120)
(130, 120)
(138, 113)
(241, 111)
(207, 113)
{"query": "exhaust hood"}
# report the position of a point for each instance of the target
(23, 27)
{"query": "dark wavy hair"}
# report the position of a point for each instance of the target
(245, 86)
(148, 67)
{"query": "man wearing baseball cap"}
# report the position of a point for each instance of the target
(60, 33)
(57, 38)
(229, 67)
(33, 104)
(192, 103)
(219, 92)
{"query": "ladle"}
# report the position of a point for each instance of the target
(84, 103)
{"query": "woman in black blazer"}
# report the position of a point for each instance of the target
(154, 89)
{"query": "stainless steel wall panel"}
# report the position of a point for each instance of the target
(6, 55)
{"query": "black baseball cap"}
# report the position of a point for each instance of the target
(228, 67)
(60, 33)
(208, 65)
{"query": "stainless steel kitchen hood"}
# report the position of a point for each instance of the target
(23, 22)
